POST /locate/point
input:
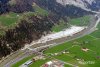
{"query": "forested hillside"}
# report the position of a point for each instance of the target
(27, 30)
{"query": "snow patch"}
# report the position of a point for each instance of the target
(68, 32)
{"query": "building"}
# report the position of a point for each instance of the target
(53, 63)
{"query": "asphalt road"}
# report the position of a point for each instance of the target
(25, 53)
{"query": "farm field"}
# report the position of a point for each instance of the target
(75, 51)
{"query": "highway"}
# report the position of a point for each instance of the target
(12, 59)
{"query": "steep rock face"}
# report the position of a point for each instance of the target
(67, 10)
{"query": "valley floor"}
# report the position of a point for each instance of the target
(76, 53)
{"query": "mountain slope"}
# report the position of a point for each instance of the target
(84, 4)
(67, 10)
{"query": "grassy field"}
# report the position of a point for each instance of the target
(97, 32)
(69, 58)
(67, 65)
(67, 45)
(8, 21)
(80, 21)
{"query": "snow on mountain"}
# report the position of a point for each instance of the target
(89, 1)
(84, 4)
(75, 2)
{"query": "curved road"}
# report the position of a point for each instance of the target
(25, 53)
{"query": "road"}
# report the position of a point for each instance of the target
(11, 60)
